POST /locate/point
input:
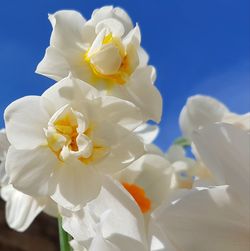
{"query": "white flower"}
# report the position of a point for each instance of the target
(201, 110)
(20, 209)
(105, 52)
(64, 141)
(216, 218)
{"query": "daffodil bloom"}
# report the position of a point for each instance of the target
(216, 218)
(104, 52)
(200, 111)
(64, 141)
(20, 209)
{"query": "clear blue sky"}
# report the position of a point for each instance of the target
(197, 47)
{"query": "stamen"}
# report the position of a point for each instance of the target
(139, 195)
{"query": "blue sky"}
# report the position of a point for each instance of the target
(196, 46)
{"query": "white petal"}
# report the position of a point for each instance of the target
(99, 243)
(141, 91)
(118, 111)
(121, 221)
(67, 29)
(69, 91)
(147, 132)
(76, 185)
(133, 37)
(110, 12)
(241, 121)
(153, 174)
(176, 153)
(25, 119)
(97, 43)
(143, 57)
(21, 210)
(225, 150)
(204, 220)
(107, 60)
(77, 246)
(113, 25)
(200, 111)
(50, 207)
(4, 145)
(125, 148)
(30, 170)
(54, 64)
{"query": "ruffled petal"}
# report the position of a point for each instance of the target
(25, 119)
(67, 29)
(118, 111)
(141, 91)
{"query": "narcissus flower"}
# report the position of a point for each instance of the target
(105, 52)
(64, 141)
(216, 218)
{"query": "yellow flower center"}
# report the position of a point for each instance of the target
(70, 134)
(139, 195)
(110, 61)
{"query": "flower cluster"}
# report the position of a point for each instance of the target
(83, 151)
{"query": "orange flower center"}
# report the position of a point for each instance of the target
(139, 195)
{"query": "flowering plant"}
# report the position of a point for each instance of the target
(83, 151)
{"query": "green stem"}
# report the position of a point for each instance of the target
(64, 237)
(182, 142)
